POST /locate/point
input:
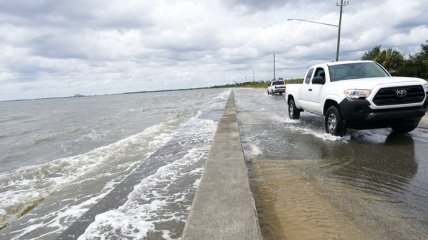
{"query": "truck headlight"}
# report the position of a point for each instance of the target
(357, 93)
(426, 87)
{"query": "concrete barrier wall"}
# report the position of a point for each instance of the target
(224, 206)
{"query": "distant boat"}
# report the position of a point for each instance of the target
(79, 95)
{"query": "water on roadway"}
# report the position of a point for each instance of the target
(307, 184)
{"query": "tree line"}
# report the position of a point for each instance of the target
(399, 64)
(415, 65)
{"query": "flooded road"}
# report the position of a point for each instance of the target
(310, 185)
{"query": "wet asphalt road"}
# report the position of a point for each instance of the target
(307, 184)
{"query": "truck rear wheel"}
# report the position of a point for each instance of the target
(404, 128)
(293, 112)
(333, 122)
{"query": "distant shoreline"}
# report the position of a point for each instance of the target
(95, 95)
(252, 84)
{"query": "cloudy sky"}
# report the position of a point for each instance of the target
(64, 47)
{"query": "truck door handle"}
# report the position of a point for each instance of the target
(310, 90)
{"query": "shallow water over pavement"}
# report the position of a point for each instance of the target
(368, 184)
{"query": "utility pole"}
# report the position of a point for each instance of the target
(274, 66)
(341, 4)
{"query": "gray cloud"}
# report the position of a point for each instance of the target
(102, 46)
(256, 5)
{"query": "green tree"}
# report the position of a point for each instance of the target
(372, 54)
(421, 61)
(416, 65)
(389, 58)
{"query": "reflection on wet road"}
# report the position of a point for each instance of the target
(310, 185)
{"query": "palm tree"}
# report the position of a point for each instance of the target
(389, 58)
(392, 59)
(371, 55)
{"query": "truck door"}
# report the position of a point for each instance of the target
(304, 89)
(314, 93)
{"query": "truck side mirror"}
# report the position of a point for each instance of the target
(318, 80)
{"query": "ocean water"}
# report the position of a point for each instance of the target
(59, 157)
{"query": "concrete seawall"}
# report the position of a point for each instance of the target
(224, 206)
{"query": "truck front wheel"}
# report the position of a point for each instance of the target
(333, 122)
(293, 112)
(404, 128)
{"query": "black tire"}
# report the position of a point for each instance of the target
(404, 128)
(293, 112)
(333, 122)
(268, 92)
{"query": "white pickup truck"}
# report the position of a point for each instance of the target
(276, 86)
(358, 95)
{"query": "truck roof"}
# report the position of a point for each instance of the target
(347, 62)
(339, 63)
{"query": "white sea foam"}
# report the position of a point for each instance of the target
(292, 125)
(255, 151)
(283, 119)
(27, 186)
(140, 213)
(151, 201)
(196, 183)
(219, 100)
(34, 183)
(55, 220)
(324, 136)
(288, 120)
(94, 135)
(223, 96)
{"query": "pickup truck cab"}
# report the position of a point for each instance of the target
(358, 95)
(276, 86)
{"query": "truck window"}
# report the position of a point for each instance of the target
(320, 72)
(308, 76)
(356, 70)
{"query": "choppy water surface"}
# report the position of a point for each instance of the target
(307, 184)
(61, 156)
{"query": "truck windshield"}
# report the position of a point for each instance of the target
(356, 70)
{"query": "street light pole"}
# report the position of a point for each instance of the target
(274, 77)
(342, 3)
(339, 27)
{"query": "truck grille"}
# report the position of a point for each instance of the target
(399, 95)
